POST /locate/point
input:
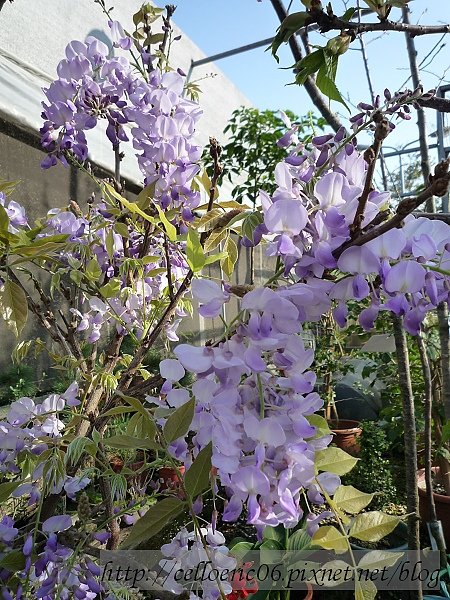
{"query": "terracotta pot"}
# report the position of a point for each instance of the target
(168, 477)
(116, 463)
(346, 435)
(441, 502)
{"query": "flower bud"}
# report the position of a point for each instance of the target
(339, 44)
(84, 507)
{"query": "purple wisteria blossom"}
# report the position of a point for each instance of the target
(254, 395)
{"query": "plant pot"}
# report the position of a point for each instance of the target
(116, 463)
(441, 502)
(346, 435)
(168, 478)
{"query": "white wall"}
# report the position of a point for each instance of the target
(33, 35)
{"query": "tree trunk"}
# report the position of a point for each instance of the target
(435, 525)
(442, 312)
(409, 422)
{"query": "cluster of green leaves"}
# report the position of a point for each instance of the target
(374, 471)
(251, 154)
(322, 63)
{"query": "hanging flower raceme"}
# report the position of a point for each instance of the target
(310, 218)
(91, 87)
(254, 396)
(165, 124)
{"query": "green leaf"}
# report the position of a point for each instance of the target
(299, 540)
(4, 219)
(93, 270)
(155, 519)
(250, 223)
(445, 433)
(351, 500)
(240, 549)
(75, 450)
(194, 251)
(320, 424)
(117, 410)
(150, 426)
(145, 196)
(334, 460)
(228, 263)
(127, 441)
(309, 64)
(131, 206)
(214, 257)
(169, 228)
(288, 27)
(177, 425)
(340, 570)
(349, 14)
(327, 86)
(6, 489)
(109, 243)
(196, 479)
(121, 229)
(13, 306)
(330, 538)
(111, 289)
(277, 533)
(13, 561)
(372, 526)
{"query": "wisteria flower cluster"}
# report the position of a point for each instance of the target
(237, 414)
(93, 88)
(186, 551)
(310, 217)
(253, 396)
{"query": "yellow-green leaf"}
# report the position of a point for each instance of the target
(169, 228)
(372, 526)
(4, 219)
(209, 220)
(335, 461)
(365, 590)
(194, 252)
(155, 519)
(231, 251)
(379, 559)
(13, 306)
(215, 238)
(351, 500)
(341, 572)
(111, 289)
(330, 538)
(320, 424)
(93, 270)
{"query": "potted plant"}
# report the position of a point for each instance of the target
(329, 354)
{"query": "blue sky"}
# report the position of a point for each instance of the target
(218, 25)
